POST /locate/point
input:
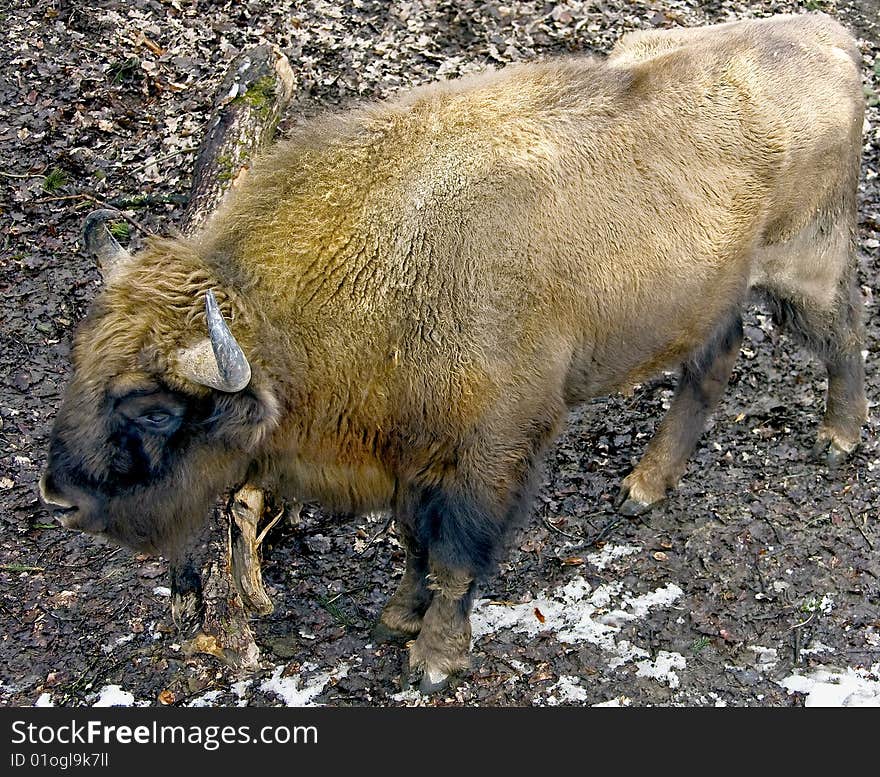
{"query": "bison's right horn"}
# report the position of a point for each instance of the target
(218, 360)
(98, 242)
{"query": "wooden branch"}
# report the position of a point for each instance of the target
(248, 509)
(255, 92)
(257, 88)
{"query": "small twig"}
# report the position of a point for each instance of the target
(549, 524)
(773, 529)
(20, 568)
(100, 203)
(21, 175)
(147, 200)
(859, 528)
(345, 593)
(803, 623)
(378, 534)
(262, 535)
(604, 531)
(165, 158)
(60, 197)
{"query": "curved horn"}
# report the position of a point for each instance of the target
(218, 360)
(98, 242)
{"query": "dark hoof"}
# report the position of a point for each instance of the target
(633, 507)
(386, 635)
(426, 681)
(630, 506)
(829, 453)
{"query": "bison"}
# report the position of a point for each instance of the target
(399, 304)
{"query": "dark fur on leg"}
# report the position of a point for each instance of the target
(702, 382)
(464, 537)
(836, 338)
(442, 646)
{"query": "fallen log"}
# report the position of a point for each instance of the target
(211, 608)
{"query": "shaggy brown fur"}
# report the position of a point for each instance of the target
(423, 286)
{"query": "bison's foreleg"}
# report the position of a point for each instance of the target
(402, 616)
(442, 646)
(461, 533)
(703, 380)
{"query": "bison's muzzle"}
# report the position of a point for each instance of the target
(71, 510)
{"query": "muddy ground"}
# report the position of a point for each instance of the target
(756, 583)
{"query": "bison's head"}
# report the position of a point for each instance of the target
(162, 412)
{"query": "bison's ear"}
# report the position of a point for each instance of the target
(217, 361)
(99, 243)
(244, 419)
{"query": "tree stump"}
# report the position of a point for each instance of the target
(212, 608)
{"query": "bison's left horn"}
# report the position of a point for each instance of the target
(98, 242)
(218, 360)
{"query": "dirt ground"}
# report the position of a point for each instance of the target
(755, 584)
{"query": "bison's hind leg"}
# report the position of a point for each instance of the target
(835, 336)
(702, 381)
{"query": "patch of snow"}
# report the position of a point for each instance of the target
(824, 605)
(411, 697)
(575, 614)
(206, 699)
(831, 687)
(620, 701)
(113, 696)
(817, 648)
(662, 668)
(240, 690)
(161, 590)
(641, 605)
(519, 666)
(45, 700)
(118, 641)
(293, 692)
(611, 553)
(624, 652)
(566, 690)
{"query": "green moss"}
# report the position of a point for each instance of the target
(259, 95)
(225, 168)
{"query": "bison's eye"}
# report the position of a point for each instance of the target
(158, 422)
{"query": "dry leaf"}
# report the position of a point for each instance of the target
(540, 616)
(204, 643)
